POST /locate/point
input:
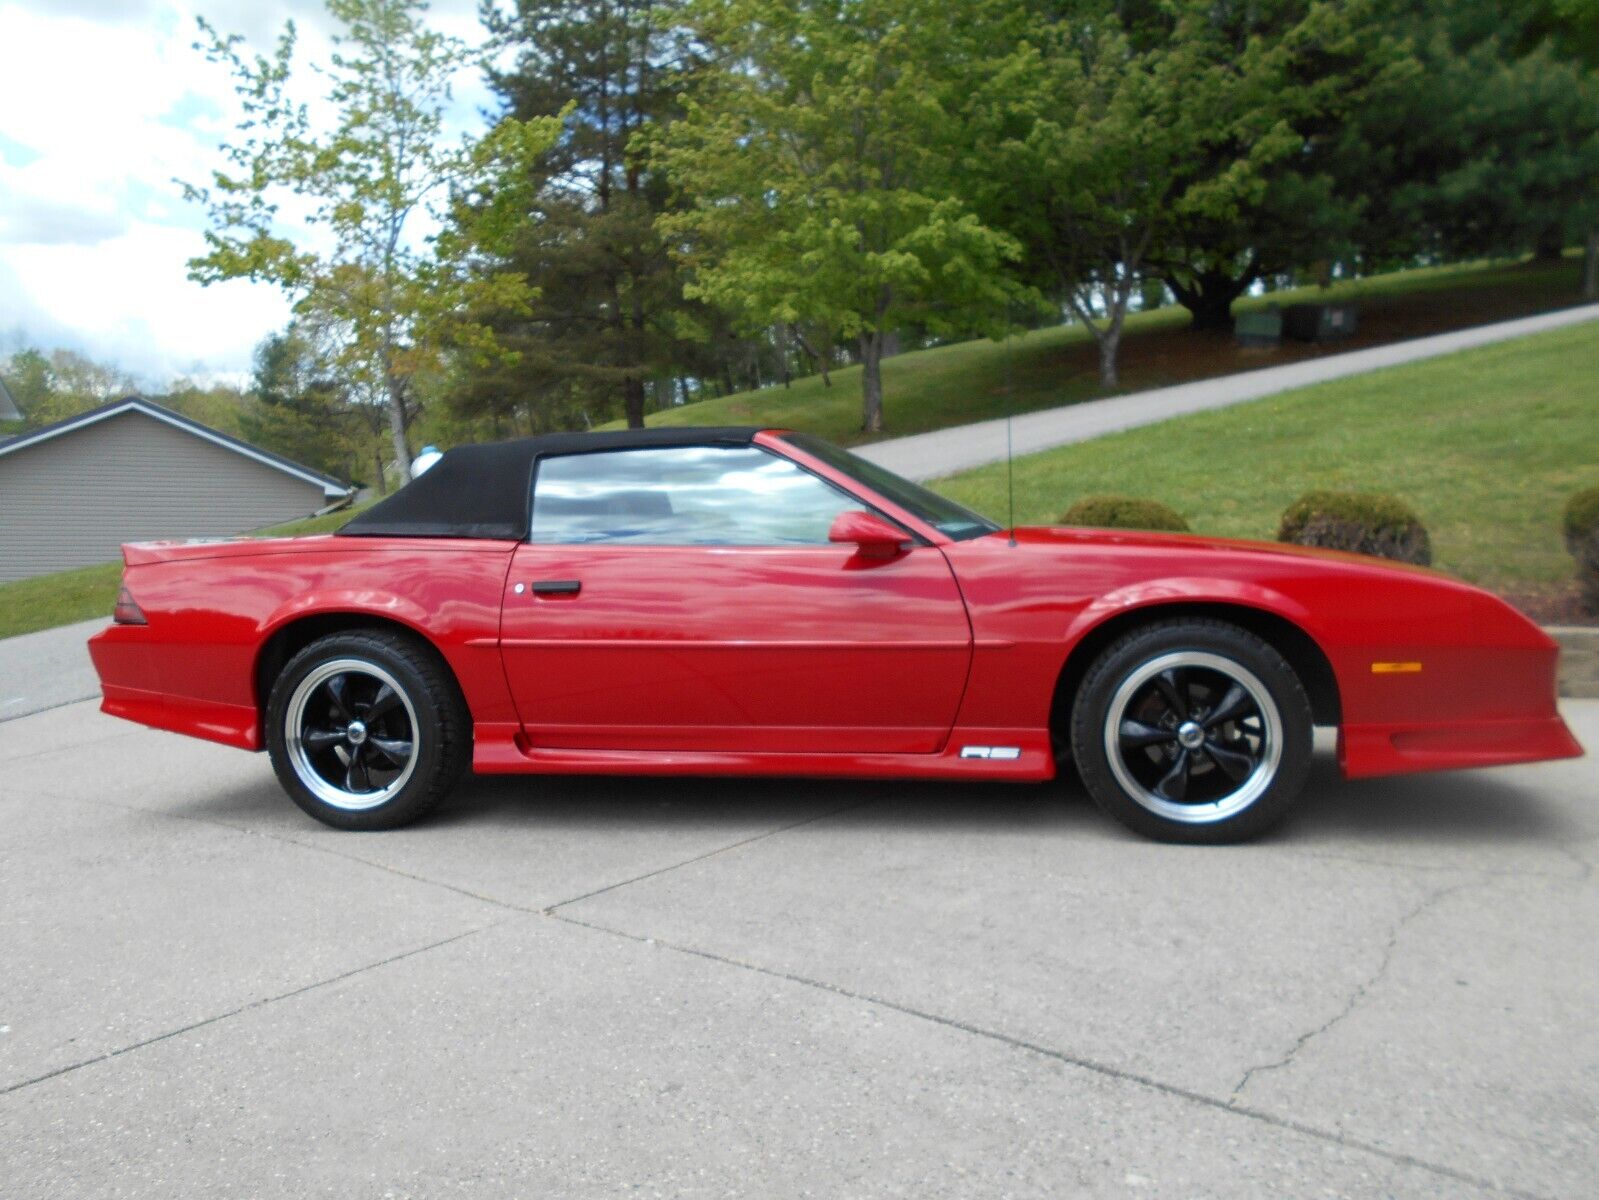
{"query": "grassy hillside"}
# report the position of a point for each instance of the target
(1486, 445)
(973, 381)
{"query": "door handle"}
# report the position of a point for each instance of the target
(557, 587)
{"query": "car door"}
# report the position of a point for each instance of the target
(687, 598)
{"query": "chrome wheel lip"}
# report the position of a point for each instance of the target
(1241, 797)
(299, 758)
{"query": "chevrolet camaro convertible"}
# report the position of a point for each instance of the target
(758, 602)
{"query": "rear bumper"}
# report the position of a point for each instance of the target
(1398, 749)
(123, 660)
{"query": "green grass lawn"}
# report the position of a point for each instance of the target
(974, 381)
(60, 599)
(1486, 445)
(46, 601)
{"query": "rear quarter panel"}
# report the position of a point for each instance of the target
(211, 611)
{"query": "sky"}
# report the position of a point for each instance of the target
(103, 105)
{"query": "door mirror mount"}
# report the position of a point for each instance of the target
(872, 536)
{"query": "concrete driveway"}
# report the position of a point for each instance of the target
(687, 988)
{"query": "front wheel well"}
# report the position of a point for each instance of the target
(1293, 643)
(289, 639)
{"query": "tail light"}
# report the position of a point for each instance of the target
(127, 611)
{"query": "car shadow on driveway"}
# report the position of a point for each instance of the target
(1459, 808)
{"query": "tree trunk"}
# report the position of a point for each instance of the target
(382, 481)
(402, 450)
(1590, 268)
(1209, 297)
(633, 401)
(872, 382)
(819, 359)
(1109, 343)
(1550, 246)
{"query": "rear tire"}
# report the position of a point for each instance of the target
(1192, 731)
(367, 730)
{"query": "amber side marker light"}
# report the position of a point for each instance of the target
(127, 611)
(1396, 668)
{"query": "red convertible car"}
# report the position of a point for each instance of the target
(759, 602)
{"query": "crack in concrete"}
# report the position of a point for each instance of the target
(244, 1008)
(1360, 990)
(611, 887)
(1086, 1064)
(438, 883)
(520, 910)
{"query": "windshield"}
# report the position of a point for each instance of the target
(946, 516)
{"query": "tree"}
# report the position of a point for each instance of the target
(299, 409)
(1107, 144)
(817, 153)
(1491, 147)
(1572, 27)
(28, 379)
(609, 313)
(1303, 65)
(62, 384)
(366, 184)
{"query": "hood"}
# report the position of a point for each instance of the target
(1065, 535)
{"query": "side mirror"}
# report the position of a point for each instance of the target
(873, 536)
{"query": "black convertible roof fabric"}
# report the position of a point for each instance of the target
(485, 491)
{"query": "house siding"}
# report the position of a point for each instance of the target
(73, 499)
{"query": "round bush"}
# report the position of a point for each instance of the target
(1124, 512)
(1362, 522)
(1582, 539)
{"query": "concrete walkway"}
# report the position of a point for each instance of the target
(47, 669)
(585, 988)
(945, 451)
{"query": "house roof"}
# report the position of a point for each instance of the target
(330, 486)
(8, 406)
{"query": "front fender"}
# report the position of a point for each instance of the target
(1187, 589)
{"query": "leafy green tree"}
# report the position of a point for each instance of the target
(62, 384)
(608, 317)
(299, 408)
(368, 186)
(1572, 27)
(1302, 66)
(1108, 142)
(1490, 147)
(28, 379)
(817, 153)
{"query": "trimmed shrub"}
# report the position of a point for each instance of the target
(1124, 512)
(1362, 522)
(1582, 539)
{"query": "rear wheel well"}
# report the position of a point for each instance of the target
(1292, 642)
(290, 639)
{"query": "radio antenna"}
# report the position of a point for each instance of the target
(1010, 413)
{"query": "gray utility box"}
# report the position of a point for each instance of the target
(1263, 327)
(1319, 322)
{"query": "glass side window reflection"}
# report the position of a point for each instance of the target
(683, 496)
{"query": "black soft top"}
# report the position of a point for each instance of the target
(485, 491)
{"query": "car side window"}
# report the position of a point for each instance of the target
(683, 496)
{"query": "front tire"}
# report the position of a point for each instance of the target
(367, 730)
(1192, 731)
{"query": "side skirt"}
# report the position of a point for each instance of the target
(502, 749)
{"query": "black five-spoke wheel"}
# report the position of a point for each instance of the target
(351, 734)
(1192, 731)
(367, 729)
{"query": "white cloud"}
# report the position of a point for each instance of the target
(103, 104)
